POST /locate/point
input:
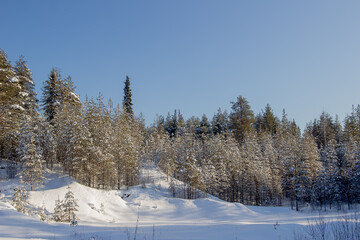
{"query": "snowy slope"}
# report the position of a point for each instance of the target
(159, 216)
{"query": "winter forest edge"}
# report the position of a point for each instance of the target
(255, 159)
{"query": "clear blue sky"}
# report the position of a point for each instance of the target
(195, 56)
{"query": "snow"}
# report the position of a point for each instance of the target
(75, 96)
(158, 214)
(16, 106)
(24, 94)
(14, 80)
(28, 80)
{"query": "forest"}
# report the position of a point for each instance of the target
(239, 156)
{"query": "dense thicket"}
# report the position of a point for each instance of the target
(238, 156)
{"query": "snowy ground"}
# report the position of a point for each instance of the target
(157, 215)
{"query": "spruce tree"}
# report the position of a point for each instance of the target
(220, 122)
(58, 211)
(33, 173)
(204, 127)
(28, 94)
(42, 214)
(355, 178)
(267, 121)
(70, 206)
(241, 118)
(51, 95)
(11, 108)
(19, 199)
(127, 102)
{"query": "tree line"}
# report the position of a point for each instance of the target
(240, 156)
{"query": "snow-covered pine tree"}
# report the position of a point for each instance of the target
(346, 152)
(156, 147)
(67, 124)
(81, 149)
(310, 155)
(58, 211)
(233, 167)
(255, 174)
(102, 208)
(27, 94)
(126, 145)
(70, 206)
(204, 128)
(271, 161)
(220, 122)
(352, 126)
(355, 179)
(215, 166)
(296, 180)
(11, 108)
(47, 144)
(19, 199)
(327, 188)
(42, 214)
(130, 148)
(33, 173)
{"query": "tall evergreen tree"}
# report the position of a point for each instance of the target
(58, 211)
(28, 94)
(51, 95)
(70, 206)
(220, 122)
(19, 199)
(33, 173)
(11, 108)
(241, 118)
(267, 121)
(127, 102)
(352, 125)
(324, 130)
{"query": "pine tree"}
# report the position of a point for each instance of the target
(47, 142)
(11, 108)
(355, 178)
(241, 118)
(42, 214)
(33, 173)
(352, 125)
(58, 211)
(220, 122)
(28, 94)
(51, 95)
(270, 159)
(19, 199)
(69, 206)
(267, 122)
(323, 130)
(327, 187)
(102, 208)
(296, 180)
(130, 150)
(81, 150)
(127, 102)
(204, 129)
(215, 166)
(252, 171)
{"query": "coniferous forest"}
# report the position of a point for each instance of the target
(238, 156)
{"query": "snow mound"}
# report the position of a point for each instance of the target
(151, 202)
(113, 214)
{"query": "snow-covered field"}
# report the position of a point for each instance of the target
(147, 213)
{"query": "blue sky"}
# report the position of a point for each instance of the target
(195, 56)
